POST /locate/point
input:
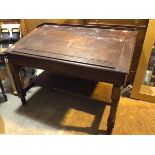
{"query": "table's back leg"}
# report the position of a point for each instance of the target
(116, 91)
(15, 74)
(3, 92)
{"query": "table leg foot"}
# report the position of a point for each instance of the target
(110, 127)
(5, 98)
(23, 101)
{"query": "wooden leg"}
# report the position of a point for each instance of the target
(116, 91)
(15, 73)
(3, 92)
(9, 75)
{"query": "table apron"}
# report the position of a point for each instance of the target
(69, 69)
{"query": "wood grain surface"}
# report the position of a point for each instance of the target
(92, 46)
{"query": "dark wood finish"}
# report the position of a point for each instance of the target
(3, 92)
(89, 52)
(19, 87)
(116, 91)
(140, 25)
(1, 84)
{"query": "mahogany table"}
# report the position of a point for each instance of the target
(91, 52)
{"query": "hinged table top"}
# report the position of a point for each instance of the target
(98, 47)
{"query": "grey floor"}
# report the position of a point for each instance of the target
(15, 120)
(47, 111)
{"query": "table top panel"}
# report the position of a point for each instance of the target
(92, 46)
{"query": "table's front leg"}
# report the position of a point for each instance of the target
(116, 91)
(15, 74)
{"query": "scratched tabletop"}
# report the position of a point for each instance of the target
(106, 48)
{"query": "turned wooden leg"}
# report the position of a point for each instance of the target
(15, 74)
(3, 92)
(116, 91)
